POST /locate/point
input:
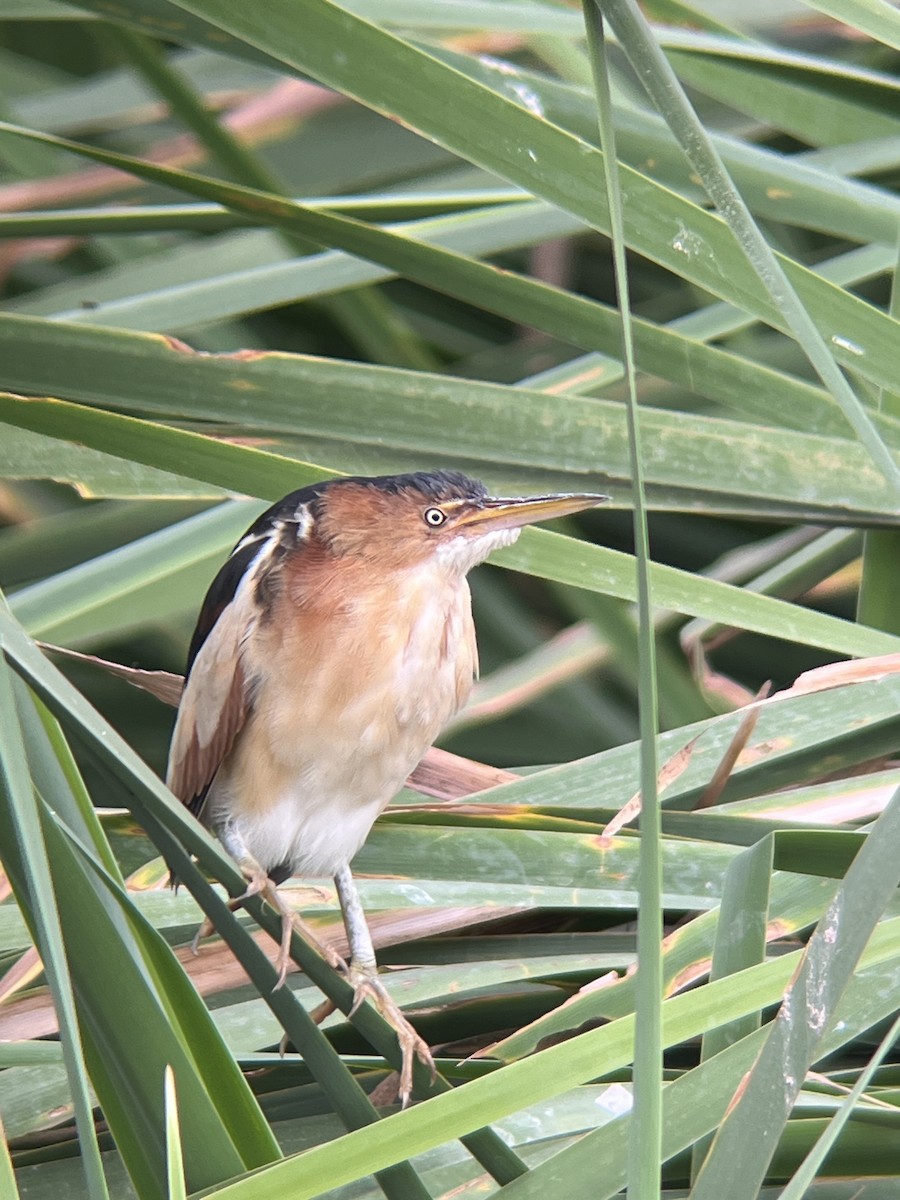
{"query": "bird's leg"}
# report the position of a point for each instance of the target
(363, 975)
(261, 884)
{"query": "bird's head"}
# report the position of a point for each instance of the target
(376, 526)
(401, 521)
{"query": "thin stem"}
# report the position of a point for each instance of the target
(645, 1130)
(877, 605)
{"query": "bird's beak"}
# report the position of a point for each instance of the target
(510, 514)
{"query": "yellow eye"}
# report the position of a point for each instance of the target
(434, 517)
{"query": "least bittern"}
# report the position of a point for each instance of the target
(331, 649)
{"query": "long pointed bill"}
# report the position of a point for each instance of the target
(511, 514)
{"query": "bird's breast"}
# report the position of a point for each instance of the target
(369, 663)
(347, 698)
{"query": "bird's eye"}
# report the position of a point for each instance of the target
(434, 517)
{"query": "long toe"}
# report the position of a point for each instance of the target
(291, 921)
(283, 959)
(204, 931)
(309, 936)
(260, 884)
(368, 986)
(257, 880)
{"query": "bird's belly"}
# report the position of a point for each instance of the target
(315, 810)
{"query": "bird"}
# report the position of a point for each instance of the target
(331, 649)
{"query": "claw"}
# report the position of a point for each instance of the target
(203, 931)
(368, 986)
(290, 922)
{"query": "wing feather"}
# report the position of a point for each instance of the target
(218, 689)
(215, 703)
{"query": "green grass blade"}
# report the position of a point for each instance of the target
(646, 1127)
(118, 963)
(544, 1074)
(530, 151)
(293, 397)
(213, 218)
(573, 319)
(775, 186)
(26, 860)
(199, 457)
(150, 61)
(55, 772)
(878, 18)
(877, 604)
(805, 1175)
(694, 1105)
(175, 1183)
(667, 93)
(746, 1139)
(122, 574)
(376, 327)
(235, 275)
(8, 1185)
(740, 942)
(862, 326)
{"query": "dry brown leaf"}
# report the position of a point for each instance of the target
(671, 769)
(714, 685)
(215, 969)
(21, 974)
(839, 674)
(164, 685)
(448, 776)
(735, 748)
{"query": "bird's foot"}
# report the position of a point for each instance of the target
(367, 985)
(257, 881)
(260, 884)
(291, 922)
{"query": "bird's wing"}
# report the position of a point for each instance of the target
(218, 691)
(214, 705)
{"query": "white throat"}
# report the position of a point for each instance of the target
(463, 552)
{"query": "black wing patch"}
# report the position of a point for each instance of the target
(220, 594)
(223, 588)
